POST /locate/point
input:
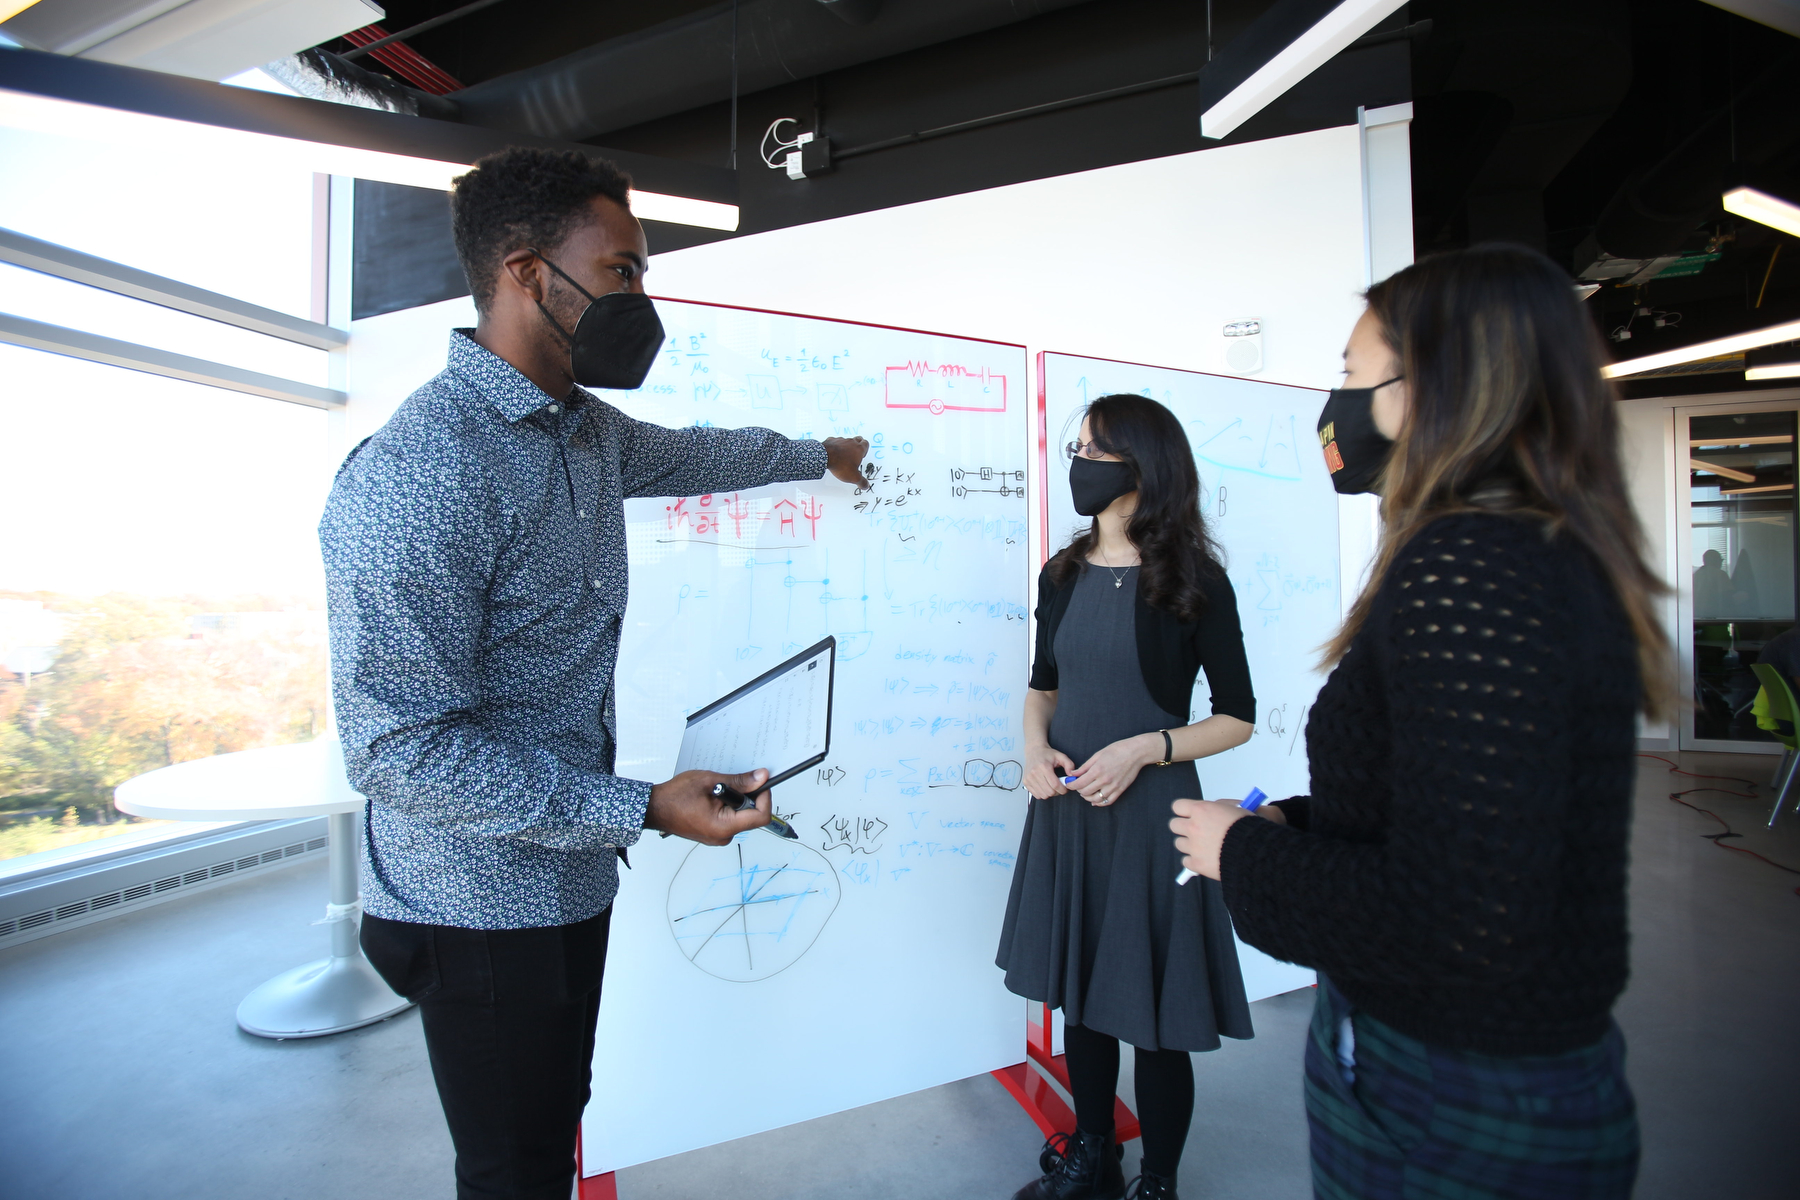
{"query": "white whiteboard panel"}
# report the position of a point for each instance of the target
(1265, 491)
(768, 982)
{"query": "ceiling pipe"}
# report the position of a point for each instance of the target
(685, 63)
(1652, 214)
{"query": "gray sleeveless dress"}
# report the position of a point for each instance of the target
(1095, 924)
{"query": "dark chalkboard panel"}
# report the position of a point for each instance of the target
(402, 252)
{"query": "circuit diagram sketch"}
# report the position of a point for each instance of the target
(749, 910)
(945, 387)
(984, 479)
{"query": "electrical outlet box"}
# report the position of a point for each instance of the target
(810, 158)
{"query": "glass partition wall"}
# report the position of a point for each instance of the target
(1739, 564)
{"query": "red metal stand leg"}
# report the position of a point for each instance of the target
(1041, 1101)
(596, 1187)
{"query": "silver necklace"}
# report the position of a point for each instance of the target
(1118, 579)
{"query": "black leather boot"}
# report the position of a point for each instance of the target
(1083, 1167)
(1149, 1186)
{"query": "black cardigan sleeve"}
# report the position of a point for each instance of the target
(1043, 664)
(1218, 639)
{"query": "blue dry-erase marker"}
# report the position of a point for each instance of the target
(1071, 779)
(1249, 803)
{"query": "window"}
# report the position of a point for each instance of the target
(161, 597)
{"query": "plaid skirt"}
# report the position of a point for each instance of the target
(1393, 1118)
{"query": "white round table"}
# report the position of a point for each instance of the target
(303, 780)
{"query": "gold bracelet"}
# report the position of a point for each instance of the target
(1168, 759)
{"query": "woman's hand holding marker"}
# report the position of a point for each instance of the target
(1200, 826)
(1046, 771)
(1102, 779)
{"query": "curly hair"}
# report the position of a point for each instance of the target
(1177, 549)
(523, 197)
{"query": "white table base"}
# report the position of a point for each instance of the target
(333, 994)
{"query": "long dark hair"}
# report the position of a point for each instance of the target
(1179, 555)
(1502, 371)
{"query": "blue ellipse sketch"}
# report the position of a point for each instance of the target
(748, 910)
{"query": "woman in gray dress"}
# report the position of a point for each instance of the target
(1128, 614)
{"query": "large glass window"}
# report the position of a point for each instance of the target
(161, 598)
(1741, 476)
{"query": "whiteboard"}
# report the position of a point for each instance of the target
(1269, 500)
(768, 982)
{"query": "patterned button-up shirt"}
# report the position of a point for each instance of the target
(476, 572)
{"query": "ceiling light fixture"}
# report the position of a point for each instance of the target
(1760, 206)
(12, 8)
(188, 140)
(1330, 32)
(1734, 344)
(1773, 371)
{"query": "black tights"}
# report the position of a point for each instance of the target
(1165, 1093)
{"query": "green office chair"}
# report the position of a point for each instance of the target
(1783, 707)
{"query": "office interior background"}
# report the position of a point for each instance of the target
(225, 258)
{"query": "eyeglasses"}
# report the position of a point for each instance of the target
(1081, 449)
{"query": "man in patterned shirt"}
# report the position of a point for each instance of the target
(476, 569)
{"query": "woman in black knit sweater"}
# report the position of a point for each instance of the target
(1457, 875)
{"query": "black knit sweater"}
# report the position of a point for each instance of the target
(1459, 868)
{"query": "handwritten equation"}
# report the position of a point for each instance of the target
(739, 519)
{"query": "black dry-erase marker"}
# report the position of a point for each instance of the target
(739, 801)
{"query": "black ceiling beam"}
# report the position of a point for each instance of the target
(177, 97)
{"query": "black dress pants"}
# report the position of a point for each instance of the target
(509, 1024)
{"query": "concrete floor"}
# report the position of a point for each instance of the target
(123, 1075)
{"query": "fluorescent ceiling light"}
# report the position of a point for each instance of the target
(1734, 344)
(253, 151)
(1698, 464)
(1774, 371)
(682, 210)
(12, 8)
(1304, 55)
(1760, 206)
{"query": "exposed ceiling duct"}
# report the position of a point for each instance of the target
(685, 63)
(1652, 214)
(1505, 96)
(321, 75)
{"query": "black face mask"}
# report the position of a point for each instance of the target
(615, 341)
(1094, 484)
(1355, 451)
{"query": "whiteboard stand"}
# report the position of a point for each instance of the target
(1041, 1102)
(595, 1187)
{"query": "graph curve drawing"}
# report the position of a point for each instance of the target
(749, 910)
